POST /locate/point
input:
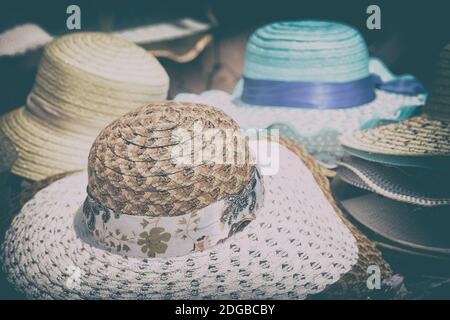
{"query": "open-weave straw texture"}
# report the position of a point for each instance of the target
(299, 245)
(84, 81)
(350, 286)
(424, 135)
(132, 168)
(22, 38)
(421, 187)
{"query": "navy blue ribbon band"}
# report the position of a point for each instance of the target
(308, 95)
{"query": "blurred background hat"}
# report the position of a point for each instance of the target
(396, 182)
(84, 81)
(22, 38)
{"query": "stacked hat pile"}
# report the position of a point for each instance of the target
(405, 167)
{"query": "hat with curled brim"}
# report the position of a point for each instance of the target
(422, 187)
(84, 81)
(316, 79)
(145, 225)
(420, 229)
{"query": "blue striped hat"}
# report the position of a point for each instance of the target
(314, 80)
(313, 51)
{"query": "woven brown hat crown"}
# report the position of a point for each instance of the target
(133, 167)
(438, 103)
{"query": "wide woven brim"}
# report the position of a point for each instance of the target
(297, 246)
(414, 227)
(45, 150)
(420, 187)
(311, 124)
(418, 136)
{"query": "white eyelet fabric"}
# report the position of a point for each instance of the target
(296, 247)
(309, 122)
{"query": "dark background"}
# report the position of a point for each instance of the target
(412, 33)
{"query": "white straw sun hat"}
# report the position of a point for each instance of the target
(84, 81)
(152, 227)
(314, 78)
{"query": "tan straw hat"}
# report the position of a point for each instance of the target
(425, 135)
(84, 81)
(151, 225)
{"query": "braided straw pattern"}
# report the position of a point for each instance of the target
(315, 51)
(425, 135)
(84, 81)
(132, 168)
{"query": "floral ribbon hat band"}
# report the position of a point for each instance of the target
(311, 78)
(140, 236)
(145, 225)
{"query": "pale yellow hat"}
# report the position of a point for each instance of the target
(84, 81)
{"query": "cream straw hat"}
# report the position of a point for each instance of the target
(84, 81)
(418, 140)
(151, 227)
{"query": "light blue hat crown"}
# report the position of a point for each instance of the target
(308, 50)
